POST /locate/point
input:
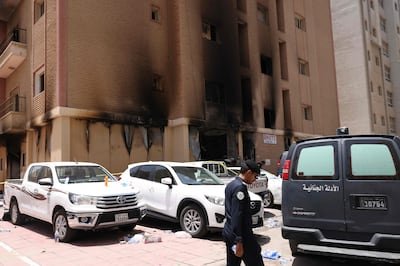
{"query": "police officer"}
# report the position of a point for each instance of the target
(241, 243)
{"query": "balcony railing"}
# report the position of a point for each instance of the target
(13, 104)
(17, 35)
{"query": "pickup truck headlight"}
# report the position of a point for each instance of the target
(82, 199)
(216, 200)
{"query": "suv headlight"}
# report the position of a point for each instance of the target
(82, 199)
(215, 200)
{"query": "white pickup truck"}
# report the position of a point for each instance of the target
(72, 196)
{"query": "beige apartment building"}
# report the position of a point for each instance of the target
(116, 82)
(367, 52)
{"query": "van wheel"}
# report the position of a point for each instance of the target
(293, 247)
(15, 215)
(193, 221)
(61, 229)
(268, 199)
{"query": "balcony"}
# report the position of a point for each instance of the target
(12, 115)
(13, 51)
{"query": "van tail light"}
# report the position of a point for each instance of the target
(285, 170)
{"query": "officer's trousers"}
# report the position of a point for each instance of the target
(251, 257)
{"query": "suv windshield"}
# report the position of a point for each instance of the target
(196, 176)
(82, 174)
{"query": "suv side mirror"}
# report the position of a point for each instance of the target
(167, 181)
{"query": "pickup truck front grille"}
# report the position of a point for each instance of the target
(119, 201)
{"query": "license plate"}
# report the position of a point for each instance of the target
(372, 203)
(258, 186)
(254, 219)
(121, 217)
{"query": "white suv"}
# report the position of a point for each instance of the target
(189, 194)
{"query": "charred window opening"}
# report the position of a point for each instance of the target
(269, 118)
(247, 107)
(209, 31)
(266, 65)
(215, 92)
(213, 144)
(157, 83)
(249, 151)
(155, 14)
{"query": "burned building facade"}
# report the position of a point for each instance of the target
(116, 82)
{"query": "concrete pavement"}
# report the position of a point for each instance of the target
(33, 244)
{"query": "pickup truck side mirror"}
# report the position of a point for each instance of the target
(45, 181)
(167, 181)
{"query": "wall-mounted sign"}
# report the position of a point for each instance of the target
(269, 139)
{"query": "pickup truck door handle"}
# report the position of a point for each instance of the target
(35, 191)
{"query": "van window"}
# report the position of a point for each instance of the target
(316, 162)
(371, 161)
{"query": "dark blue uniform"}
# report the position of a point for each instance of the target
(238, 225)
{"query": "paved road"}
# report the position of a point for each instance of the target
(33, 244)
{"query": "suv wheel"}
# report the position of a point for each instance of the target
(268, 199)
(62, 231)
(193, 221)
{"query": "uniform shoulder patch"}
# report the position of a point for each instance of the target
(240, 195)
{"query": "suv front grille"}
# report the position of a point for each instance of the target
(255, 206)
(119, 201)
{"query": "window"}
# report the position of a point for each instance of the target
(241, 5)
(366, 24)
(383, 24)
(371, 4)
(389, 98)
(155, 13)
(1, 164)
(374, 118)
(374, 32)
(303, 67)
(269, 118)
(307, 111)
(266, 65)
(380, 90)
(385, 48)
(377, 60)
(280, 16)
(371, 86)
(38, 9)
(395, 6)
(381, 3)
(215, 92)
(157, 83)
(300, 22)
(387, 73)
(209, 32)
(39, 81)
(383, 120)
(398, 30)
(143, 172)
(160, 173)
(316, 162)
(369, 55)
(262, 14)
(371, 161)
(392, 124)
(38, 172)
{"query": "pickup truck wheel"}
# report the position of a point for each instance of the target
(62, 231)
(15, 216)
(193, 221)
(268, 199)
(127, 227)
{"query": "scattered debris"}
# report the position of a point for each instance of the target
(270, 254)
(152, 239)
(183, 234)
(272, 223)
(135, 239)
(4, 230)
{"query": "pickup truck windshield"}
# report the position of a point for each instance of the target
(82, 174)
(196, 176)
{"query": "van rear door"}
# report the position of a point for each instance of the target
(313, 195)
(372, 186)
